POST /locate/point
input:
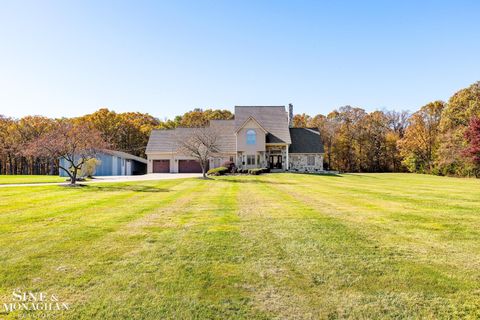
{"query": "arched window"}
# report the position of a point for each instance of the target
(251, 136)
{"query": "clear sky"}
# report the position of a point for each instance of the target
(68, 58)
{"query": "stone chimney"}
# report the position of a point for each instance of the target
(290, 115)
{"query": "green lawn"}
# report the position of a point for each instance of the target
(23, 179)
(283, 246)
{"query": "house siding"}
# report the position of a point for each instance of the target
(242, 138)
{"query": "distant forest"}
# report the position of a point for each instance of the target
(440, 138)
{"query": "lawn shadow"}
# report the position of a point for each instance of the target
(250, 181)
(124, 187)
(361, 175)
(334, 175)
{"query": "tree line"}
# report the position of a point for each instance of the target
(440, 138)
(128, 132)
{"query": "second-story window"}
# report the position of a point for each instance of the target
(251, 136)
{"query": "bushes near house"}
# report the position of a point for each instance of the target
(255, 171)
(240, 170)
(258, 171)
(220, 171)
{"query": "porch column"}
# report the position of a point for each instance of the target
(286, 158)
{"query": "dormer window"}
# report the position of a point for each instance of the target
(251, 136)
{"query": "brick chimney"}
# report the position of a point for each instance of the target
(290, 115)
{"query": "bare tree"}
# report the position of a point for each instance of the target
(199, 143)
(73, 142)
(398, 121)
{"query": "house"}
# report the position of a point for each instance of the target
(115, 163)
(258, 137)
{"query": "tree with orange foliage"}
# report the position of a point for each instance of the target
(472, 135)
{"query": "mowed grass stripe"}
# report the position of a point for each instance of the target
(409, 186)
(417, 231)
(325, 256)
(119, 259)
(383, 188)
(62, 237)
(21, 179)
(277, 246)
(87, 214)
(187, 263)
(54, 200)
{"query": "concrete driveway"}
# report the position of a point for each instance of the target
(104, 179)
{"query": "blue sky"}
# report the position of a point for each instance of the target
(68, 58)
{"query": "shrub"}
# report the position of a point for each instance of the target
(230, 165)
(220, 171)
(89, 167)
(255, 171)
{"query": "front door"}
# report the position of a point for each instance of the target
(275, 162)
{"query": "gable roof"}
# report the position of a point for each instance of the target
(124, 155)
(160, 141)
(270, 138)
(166, 140)
(225, 129)
(305, 140)
(274, 119)
(254, 120)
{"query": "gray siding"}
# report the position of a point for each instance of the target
(111, 166)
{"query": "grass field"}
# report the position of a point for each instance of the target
(23, 179)
(281, 246)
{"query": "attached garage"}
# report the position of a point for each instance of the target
(161, 166)
(189, 166)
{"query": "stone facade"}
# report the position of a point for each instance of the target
(305, 162)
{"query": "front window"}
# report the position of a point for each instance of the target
(250, 160)
(310, 160)
(251, 136)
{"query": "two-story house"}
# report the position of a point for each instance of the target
(258, 137)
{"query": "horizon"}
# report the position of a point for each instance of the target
(70, 59)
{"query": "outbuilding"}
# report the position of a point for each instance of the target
(115, 163)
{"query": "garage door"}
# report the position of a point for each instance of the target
(189, 166)
(161, 166)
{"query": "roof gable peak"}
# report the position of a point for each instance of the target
(254, 120)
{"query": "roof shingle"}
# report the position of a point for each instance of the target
(166, 140)
(273, 118)
(305, 140)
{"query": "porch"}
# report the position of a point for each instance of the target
(274, 157)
